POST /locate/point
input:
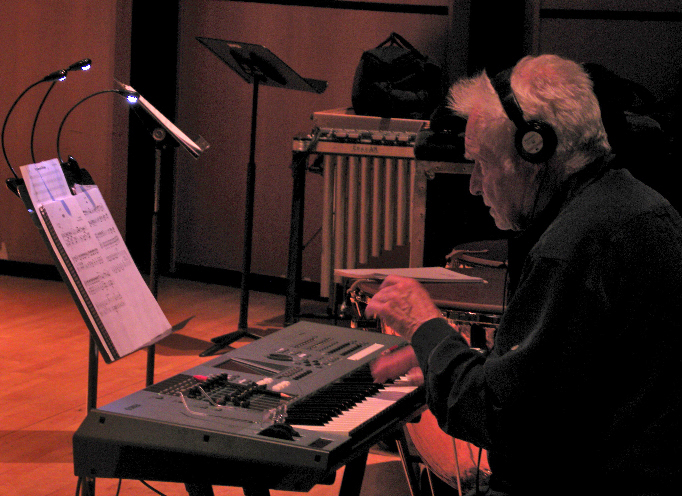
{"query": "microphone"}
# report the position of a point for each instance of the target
(81, 65)
(194, 148)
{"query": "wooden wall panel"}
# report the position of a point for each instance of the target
(214, 102)
(42, 36)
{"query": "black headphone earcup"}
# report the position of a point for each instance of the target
(535, 141)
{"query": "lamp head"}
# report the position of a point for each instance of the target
(81, 65)
(131, 95)
(59, 75)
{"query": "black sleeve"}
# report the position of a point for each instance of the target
(537, 363)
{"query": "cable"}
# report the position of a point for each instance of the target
(478, 471)
(315, 234)
(457, 469)
(505, 289)
(152, 488)
(81, 65)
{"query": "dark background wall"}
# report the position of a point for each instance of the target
(317, 42)
(203, 200)
(40, 37)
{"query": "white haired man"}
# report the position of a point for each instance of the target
(582, 391)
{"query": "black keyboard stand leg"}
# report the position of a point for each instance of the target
(353, 475)
(199, 489)
(207, 490)
(253, 491)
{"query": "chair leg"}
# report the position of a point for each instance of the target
(406, 460)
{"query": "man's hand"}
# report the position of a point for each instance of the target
(402, 362)
(403, 305)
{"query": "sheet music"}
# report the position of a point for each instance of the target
(45, 181)
(195, 148)
(422, 274)
(121, 307)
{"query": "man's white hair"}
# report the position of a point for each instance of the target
(548, 88)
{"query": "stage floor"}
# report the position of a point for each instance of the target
(43, 385)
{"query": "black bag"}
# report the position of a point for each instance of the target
(395, 80)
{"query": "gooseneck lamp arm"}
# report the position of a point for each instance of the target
(131, 97)
(81, 65)
(59, 75)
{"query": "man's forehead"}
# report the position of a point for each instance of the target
(472, 134)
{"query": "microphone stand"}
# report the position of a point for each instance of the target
(257, 66)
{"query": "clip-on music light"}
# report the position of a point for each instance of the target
(74, 173)
(257, 66)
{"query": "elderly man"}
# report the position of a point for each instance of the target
(581, 393)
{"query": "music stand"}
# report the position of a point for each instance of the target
(258, 66)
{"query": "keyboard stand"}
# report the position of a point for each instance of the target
(353, 475)
(199, 489)
(207, 490)
(351, 484)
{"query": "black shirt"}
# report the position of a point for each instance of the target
(582, 391)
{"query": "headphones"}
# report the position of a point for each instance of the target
(535, 140)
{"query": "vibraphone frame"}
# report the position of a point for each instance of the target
(369, 144)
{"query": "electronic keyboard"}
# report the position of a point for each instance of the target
(282, 412)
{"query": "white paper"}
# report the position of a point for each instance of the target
(422, 274)
(193, 148)
(116, 299)
(45, 181)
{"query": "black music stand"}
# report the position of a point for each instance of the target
(256, 65)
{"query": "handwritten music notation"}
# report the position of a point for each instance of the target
(45, 182)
